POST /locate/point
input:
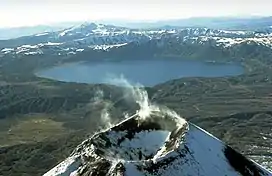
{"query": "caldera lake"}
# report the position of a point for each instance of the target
(145, 72)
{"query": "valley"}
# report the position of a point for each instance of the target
(46, 119)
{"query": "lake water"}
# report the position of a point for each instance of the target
(146, 72)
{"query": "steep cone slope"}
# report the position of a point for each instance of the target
(160, 144)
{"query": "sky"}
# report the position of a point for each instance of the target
(15, 13)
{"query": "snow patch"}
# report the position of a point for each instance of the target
(52, 44)
(28, 46)
(71, 52)
(79, 50)
(106, 47)
(63, 33)
(33, 52)
(7, 49)
(42, 34)
(67, 167)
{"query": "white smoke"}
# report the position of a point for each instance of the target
(105, 117)
(137, 93)
(99, 95)
(126, 115)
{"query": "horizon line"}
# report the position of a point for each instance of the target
(131, 21)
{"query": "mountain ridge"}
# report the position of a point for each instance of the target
(90, 37)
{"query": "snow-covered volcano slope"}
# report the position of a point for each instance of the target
(161, 144)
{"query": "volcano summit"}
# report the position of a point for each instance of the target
(160, 143)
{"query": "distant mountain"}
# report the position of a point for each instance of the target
(15, 32)
(160, 144)
(88, 37)
(230, 23)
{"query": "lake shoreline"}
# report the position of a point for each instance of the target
(136, 71)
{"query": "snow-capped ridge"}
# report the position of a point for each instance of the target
(95, 36)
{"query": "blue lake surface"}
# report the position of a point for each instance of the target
(145, 72)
